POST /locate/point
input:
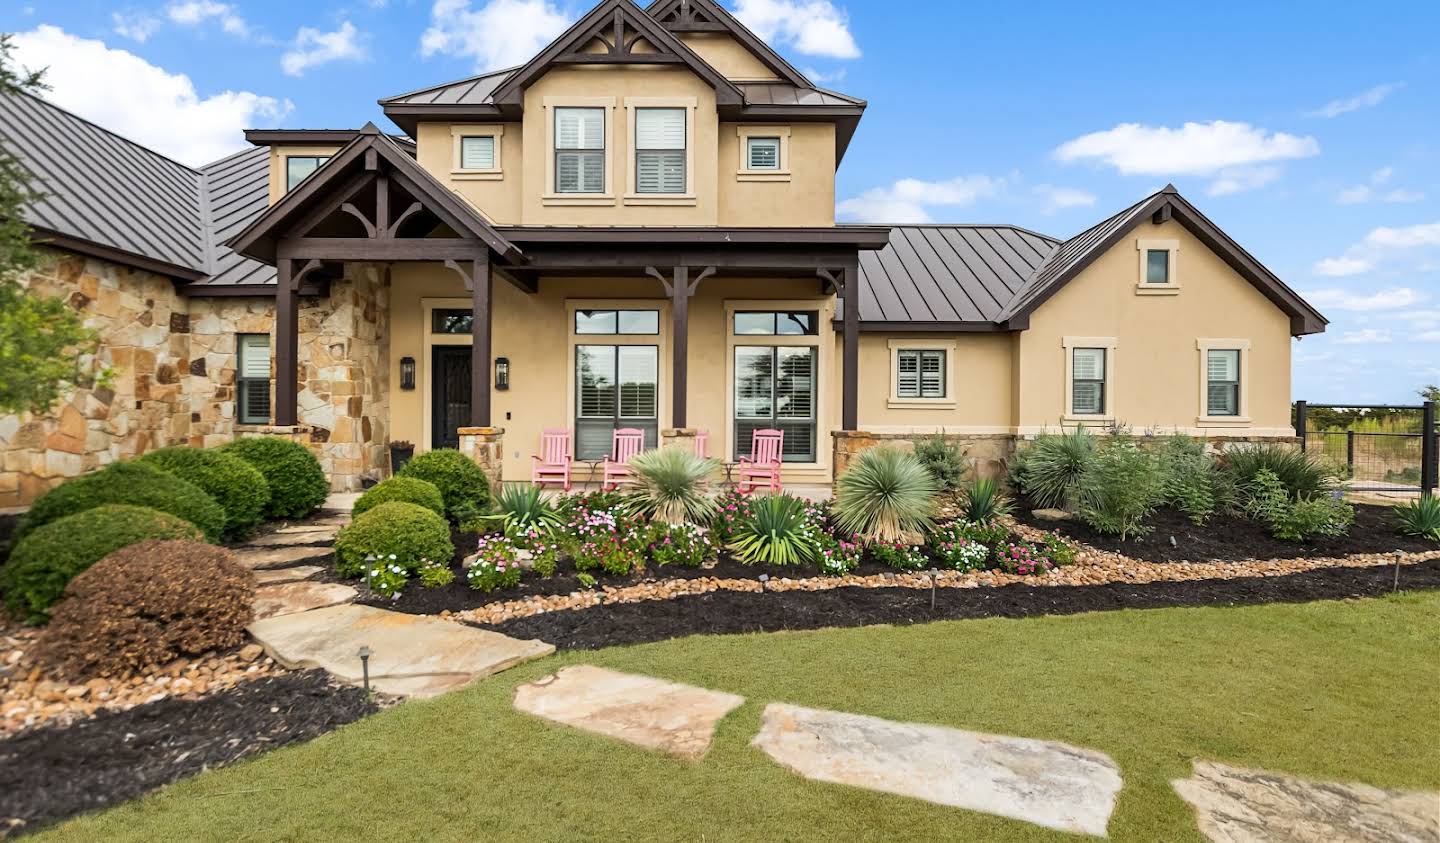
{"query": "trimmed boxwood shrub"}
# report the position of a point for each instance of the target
(146, 605)
(132, 484)
(235, 484)
(461, 482)
(410, 531)
(297, 484)
(44, 562)
(407, 489)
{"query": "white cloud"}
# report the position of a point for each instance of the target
(812, 27)
(196, 12)
(126, 94)
(823, 77)
(500, 33)
(907, 200)
(1392, 299)
(1060, 198)
(1374, 192)
(313, 47)
(1365, 99)
(1340, 267)
(1230, 152)
(1380, 245)
(136, 27)
(1368, 336)
(1429, 336)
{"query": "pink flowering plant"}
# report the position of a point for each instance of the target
(680, 544)
(839, 556)
(543, 547)
(959, 554)
(1057, 550)
(731, 510)
(607, 539)
(900, 555)
(496, 564)
(1024, 559)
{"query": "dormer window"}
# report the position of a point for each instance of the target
(579, 150)
(299, 167)
(477, 152)
(762, 154)
(660, 150)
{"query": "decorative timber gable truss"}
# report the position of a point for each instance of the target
(615, 32)
(709, 16)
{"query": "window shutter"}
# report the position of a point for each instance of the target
(1087, 395)
(932, 374)
(907, 375)
(660, 128)
(763, 154)
(579, 128)
(255, 357)
(639, 376)
(477, 153)
(660, 150)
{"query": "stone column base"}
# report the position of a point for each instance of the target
(680, 437)
(486, 447)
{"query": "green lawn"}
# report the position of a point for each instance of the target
(1333, 690)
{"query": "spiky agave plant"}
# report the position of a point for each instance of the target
(985, 502)
(777, 531)
(1420, 518)
(525, 507)
(885, 495)
(670, 486)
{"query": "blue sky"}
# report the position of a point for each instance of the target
(1312, 138)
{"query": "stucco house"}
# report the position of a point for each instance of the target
(634, 229)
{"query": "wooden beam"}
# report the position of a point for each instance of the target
(332, 204)
(287, 345)
(481, 289)
(382, 206)
(679, 345)
(365, 249)
(406, 214)
(1162, 214)
(466, 275)
(355, 212)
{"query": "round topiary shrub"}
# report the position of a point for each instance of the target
(297, 485)
(407, 489)
(409, 531)
(461, 482)
(44, 562)
(145, 605)
(132, 484)
(235, 484)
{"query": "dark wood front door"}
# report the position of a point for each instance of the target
(449, 394)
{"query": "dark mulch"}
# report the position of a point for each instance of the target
(728, 612)
(1225, 538)
(55, 772)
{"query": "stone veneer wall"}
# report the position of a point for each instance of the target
(173, 363)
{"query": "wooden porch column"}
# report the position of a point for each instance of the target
(287, 343)
(850, 391)
(679, 345)
(480, 290)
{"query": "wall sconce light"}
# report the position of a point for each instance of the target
(502, 373)
(407, 372)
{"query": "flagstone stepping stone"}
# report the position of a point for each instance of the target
(648, 712)
(277, 557)
(412, 655)
(308, 528)
(290, 598)
(275, 576)
(1236, 805)
(325, 535)
(1047, 783)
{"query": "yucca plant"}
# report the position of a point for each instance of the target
(1049, 470)
(985, 502)
(777, 531)
(1303, 475)
(886, 495)
(1420, 518)
(670, 486)
(524, 507)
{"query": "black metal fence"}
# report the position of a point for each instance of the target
(1377, 447)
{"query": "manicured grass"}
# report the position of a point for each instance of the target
(1330, 690)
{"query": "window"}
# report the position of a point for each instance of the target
(1087, 395)
(617, 321)
(451, 321)
(579, 150)
(775, 388)
(660, 150)
(785, 323)
(1157, 266)
(920, 374)
(762, 153)
(252, 381)
(616, 386)
(299, 167)
(1222, 382)
(477, 152)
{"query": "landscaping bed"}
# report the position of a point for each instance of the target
(54, 772)
(729, 612)
(1230, 538)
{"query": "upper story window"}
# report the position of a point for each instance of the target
(299, 167)
(784, 323)
(1158, 267)
(617, 321)
(660, 150)
(762, 153)
(579, 150)
(477, 152)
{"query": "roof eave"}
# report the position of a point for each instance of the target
(49, 237)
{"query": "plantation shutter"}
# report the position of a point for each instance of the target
(477, 153)
(1088, 381)
(580, 150)
(253, 377)
(932, 374)
(660, 150)
(907, 376)
(1222, 387)
(763, 154)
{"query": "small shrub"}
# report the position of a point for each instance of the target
(1302, 475)
(958, 553)
(680, 544)
(544, 549)
(1191, 485)
(461, 482)
(1120, 489)
(1058, 551)
(608, 540)
(405, 533)
(779, 530)
(838, 557)
(146, 605)
(297, 484)
(525, 508)
(495, 565)
(386, 576)
(991, 535)
(1420, 518)
(944, 458)
(670, 486)
(45, 561)
(899, 555)
(435, 575)
(1298, 520)
(1049, 471)
(128, 484)
(239, 488)
(567, 505)
(405, 489)
(731, 509)
(985, 503)
(885, 495)
(1022, 559)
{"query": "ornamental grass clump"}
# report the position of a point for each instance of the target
(297, 483)
(128, 484)
(885, 496)
(405, 489)
(779, 530)
(526, 509)
(1049, 470)
(1302, 475)
(239, 487)
(669, 486)
(1420, 518)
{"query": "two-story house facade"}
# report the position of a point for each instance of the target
(635, 229)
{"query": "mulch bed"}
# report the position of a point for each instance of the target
(1225, 538)
(51, 773)
(729, 612)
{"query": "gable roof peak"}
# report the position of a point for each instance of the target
(710, 16)
(369, 129)
(1170, 188)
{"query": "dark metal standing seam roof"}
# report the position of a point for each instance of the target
(237, 190)
(478, 90)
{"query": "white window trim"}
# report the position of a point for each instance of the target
(632, 197)
(550, 196)
(494, 131)
(743, 172)
(823, 342)
(897, 346)
(1204, 347)
(1109, 344)
(660, 340)
(1173, 248)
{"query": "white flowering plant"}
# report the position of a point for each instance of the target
(958, 553)
(386, 576)
(900, 555)
(839, 556)
(495, 565)
(543, 547)
(680, 544)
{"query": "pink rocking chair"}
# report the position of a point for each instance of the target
(762, 467)
(626, 443)
(702, 444)
(553, 464)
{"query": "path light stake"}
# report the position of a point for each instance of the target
(365, 653)
(1398, 555)
(933, 573)
(369, 560)
(764, 578)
